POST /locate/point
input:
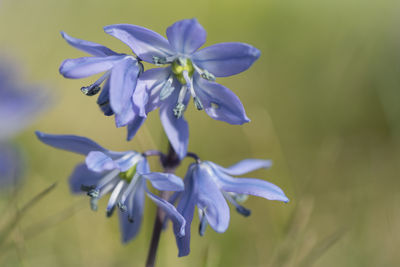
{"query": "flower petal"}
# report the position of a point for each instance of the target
(186, 207)
(131, 220)
(151, 82)
(134, 126)
(98, 162)
(165, 181)
(186, 36)
(226, 59)
(82, 176)
(177, 219)
(104, 99)
(144, 43)
(250, 186)
(211, 200)
(88, 47)
(73, 143)
(122, 85)
(244, 166)
(219, 102)
(87, 66)
(176, 129)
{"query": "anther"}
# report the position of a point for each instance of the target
(242, 210)
(130, 219)
(167, 89)
(178, 110)
(93, 193)
(203, 224)
(122, 206)
(208, 76)
(198, 103)
(91, 90)
(159, 61)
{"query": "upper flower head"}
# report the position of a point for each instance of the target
(190, 72)
(124, 175)
(208, 186)
(120, 76)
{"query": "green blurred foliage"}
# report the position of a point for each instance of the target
(324, 103)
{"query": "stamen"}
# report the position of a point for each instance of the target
(180, 107)
(204, 74)
(198, 103)
(93, 203)
(178, 110)
(93, 89)
(163, 60)
(167, 89)
(114, 197)
(90, 90)
(239, 208)
(128, 190)
(203, 223)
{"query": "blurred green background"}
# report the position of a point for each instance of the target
(324, 102)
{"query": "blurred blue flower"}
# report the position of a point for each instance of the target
(119, 79)
(19, 105)
(191, 72)
(124, 175)
(208, 186)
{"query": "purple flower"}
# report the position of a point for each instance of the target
(119, 79)
(191, 72)
(208, 186)
(124, 175)
(19, 105)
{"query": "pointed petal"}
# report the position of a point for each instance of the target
(250, 186)
(104, 99)
(98, 162)
(143, 166)
(210, 199)
(134, 126)
(131, 226)
(165, 181)
(186, 36)
(186, 207)
(226, 59)
(122, 85)
(82, 176)
(219, 102)
(87, 66)
(244, 166)
(177, 219)
(176, 129)
(143, 42)
(73, 143)
(88, 47)
(151, 82)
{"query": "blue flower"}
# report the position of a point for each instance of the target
(120, 76)
(124, 175)
(208, 186)
(19, 106)
(191, 72)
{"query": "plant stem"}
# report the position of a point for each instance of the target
(169, 162)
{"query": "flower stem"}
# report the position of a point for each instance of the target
(169, 162)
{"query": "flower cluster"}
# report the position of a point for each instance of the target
(19, 105)
(183, 71)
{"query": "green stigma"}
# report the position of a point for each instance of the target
(179, 65)
(128, 175)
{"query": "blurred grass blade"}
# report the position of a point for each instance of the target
(322, 247)
(9, 227)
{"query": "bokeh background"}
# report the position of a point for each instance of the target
(324, 102)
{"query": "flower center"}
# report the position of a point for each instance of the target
(180, 65)
(128, 175)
